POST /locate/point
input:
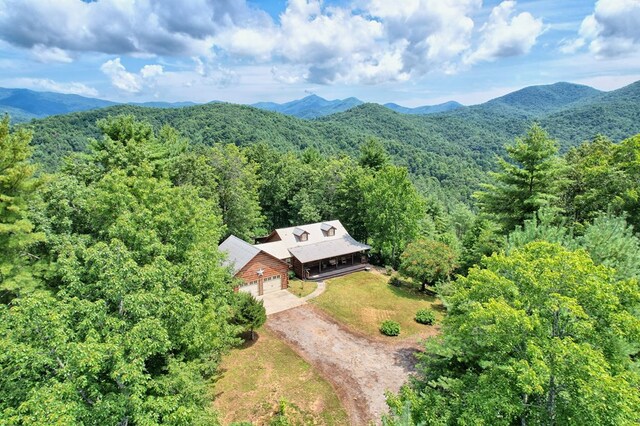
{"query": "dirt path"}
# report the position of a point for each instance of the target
(360, 369)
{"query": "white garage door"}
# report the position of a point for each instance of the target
(252, 288)
(271, 284)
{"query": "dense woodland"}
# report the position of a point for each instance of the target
(115, 308)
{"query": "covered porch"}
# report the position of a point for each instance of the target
(334, 266)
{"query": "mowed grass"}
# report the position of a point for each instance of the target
(363, 300)
(301, 288)
(257, 377)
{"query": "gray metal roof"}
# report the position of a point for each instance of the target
(326, 226)
(239, 252)
(326, 249)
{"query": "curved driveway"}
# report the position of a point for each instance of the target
(360, 369)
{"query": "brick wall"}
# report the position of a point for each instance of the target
(269, 264)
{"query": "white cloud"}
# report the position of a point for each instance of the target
(363, 41)
(45, 84)
(155, 27)
(504, 35)
(128, 81)
(120, 77)
(612, 30)
(50, 54)
(435, 32)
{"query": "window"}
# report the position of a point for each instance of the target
(250, 283)
(304, 237)
(331, 232)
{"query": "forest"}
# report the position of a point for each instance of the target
(116, 308)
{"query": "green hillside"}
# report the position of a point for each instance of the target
(451, 149)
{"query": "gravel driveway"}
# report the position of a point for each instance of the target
(360, 369)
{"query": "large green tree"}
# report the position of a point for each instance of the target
(428, 261)
(16, 230)
(528, 180)
(138, 309)
(394, 210)
(542, 336)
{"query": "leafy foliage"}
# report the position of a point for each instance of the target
(390, 328)
(428, 261)
(250, 313)
(137, 310)
(425, 316)
(540, 336)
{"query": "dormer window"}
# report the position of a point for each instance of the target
(328, 230)
(301, 234)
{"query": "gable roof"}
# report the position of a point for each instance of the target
(319, 245)
(326, 226)
(288, 235)
(239, 252)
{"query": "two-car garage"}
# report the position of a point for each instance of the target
(260, 272)
(269, 285)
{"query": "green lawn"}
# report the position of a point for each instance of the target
(364, 299)
(301, 288)
(257, 377)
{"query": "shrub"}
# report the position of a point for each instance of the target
(388, 270)
(395, 281)
(425, 316)
(390, 328)
(291, 274)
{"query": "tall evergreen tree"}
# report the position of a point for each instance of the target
(528, 181)
(16, 230)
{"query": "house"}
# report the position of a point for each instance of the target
(317, 250)
(261, 272)
(313, 251)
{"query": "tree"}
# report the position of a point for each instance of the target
(540, 336)
(373, 155)
(250, 312)
(237, 188)
(137, 308)
(428, 261)
(17, 235)
(527, 184)
(394, 210)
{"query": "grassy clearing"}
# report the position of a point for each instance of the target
(364, 299)
(257, 377)
(301, 288)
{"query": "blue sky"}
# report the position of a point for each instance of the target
(412, 52)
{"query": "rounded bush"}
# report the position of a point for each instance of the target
(425, 316)
(395, 281)
(390, 328)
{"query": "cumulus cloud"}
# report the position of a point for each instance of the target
(50, 54)
(434, 32)
(45, 84)
(155, 27)
(505, 35)
(364, 41)
(128, 81)
(613, 29)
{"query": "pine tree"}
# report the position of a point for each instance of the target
(17, 184)
(527, 182)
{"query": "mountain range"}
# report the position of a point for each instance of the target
(23, 105)
(450, 150)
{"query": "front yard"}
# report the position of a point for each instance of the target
(363, 300)
(301, 288)
(255, 378)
